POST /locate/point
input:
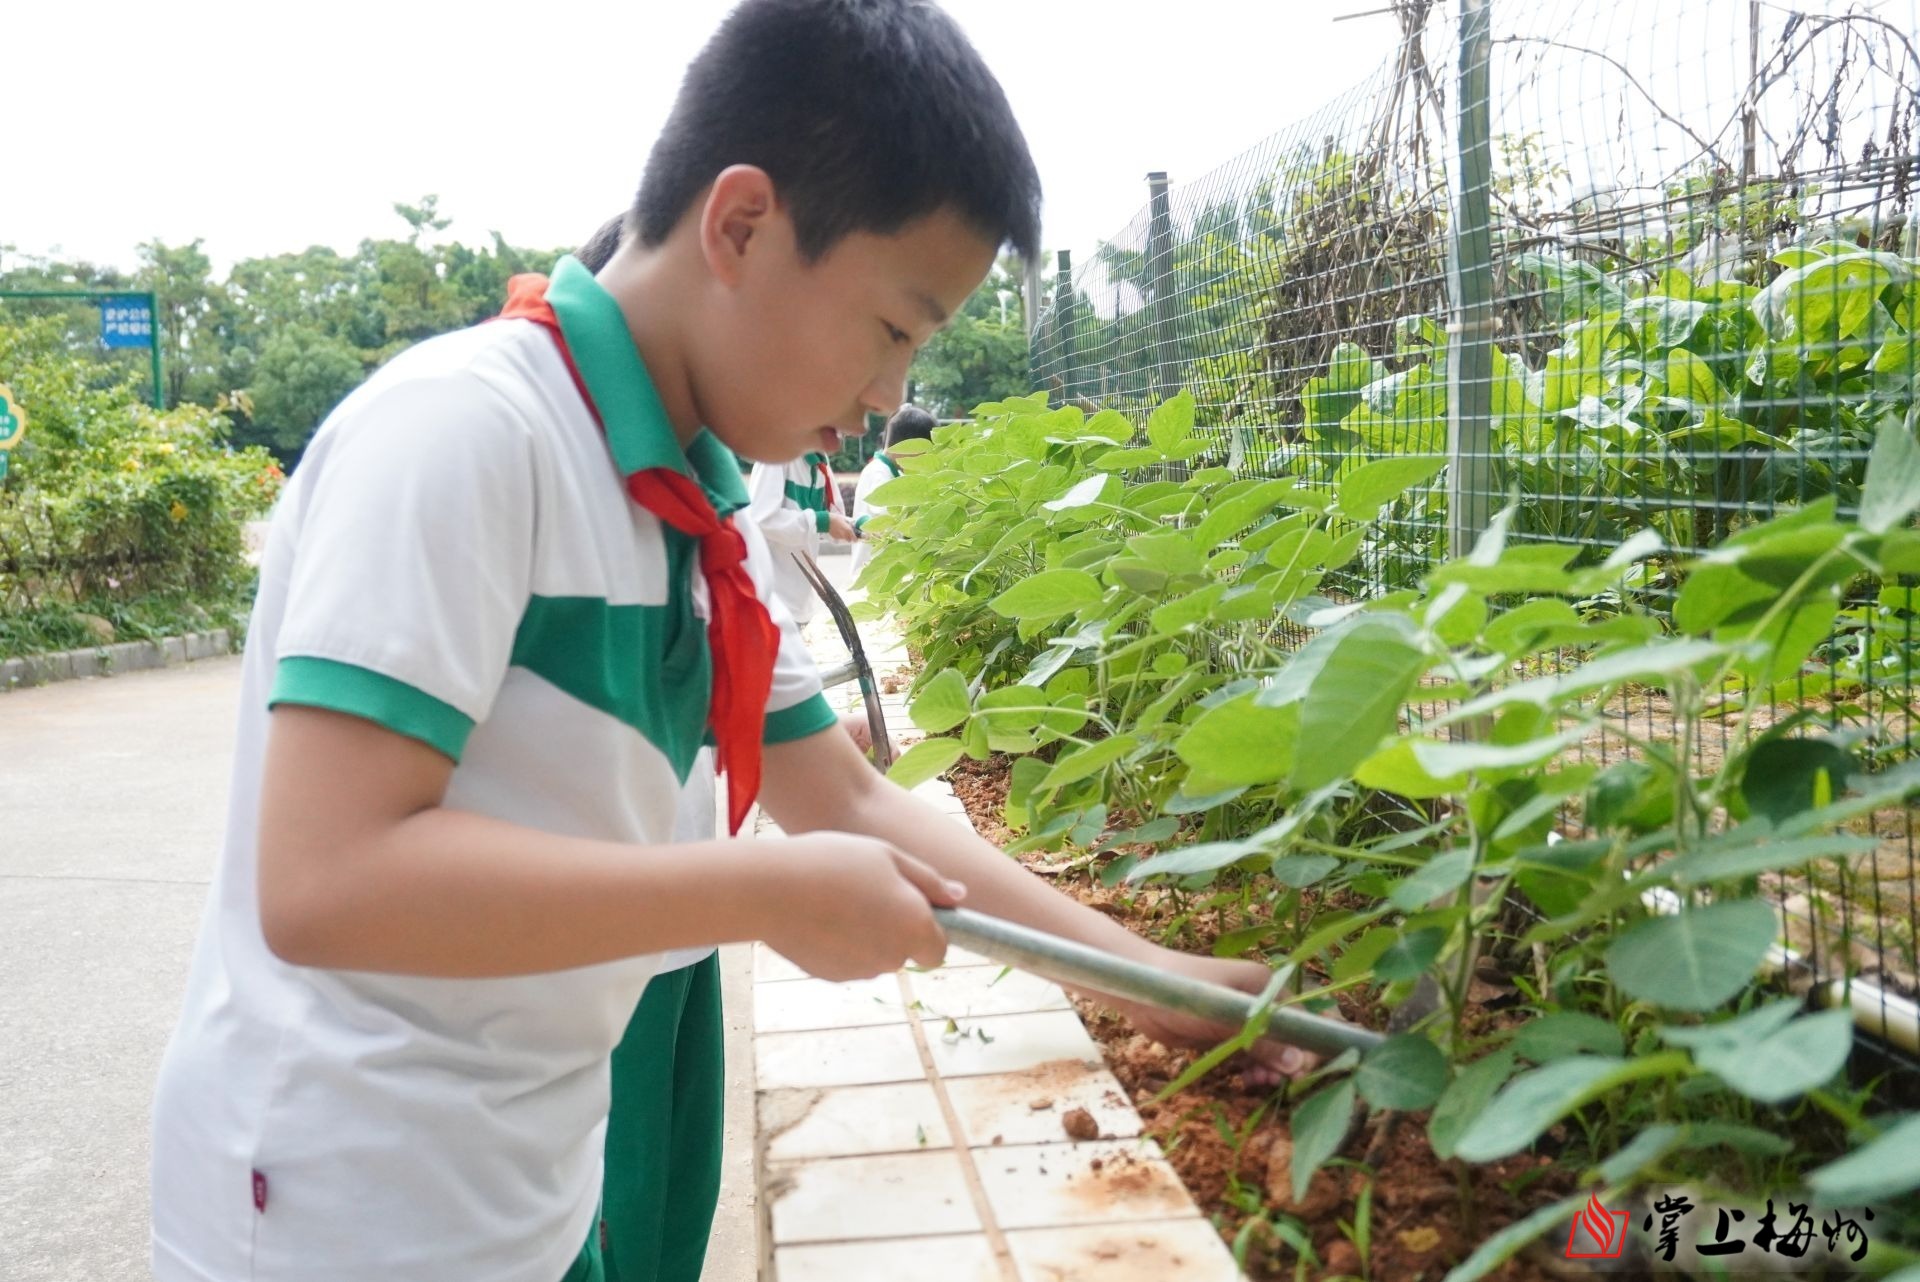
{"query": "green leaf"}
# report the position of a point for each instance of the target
(1892, 492)
(1395, 769)
(1357, 958)
(1515, 1238)
(1371, 486)
(1127, 460)
(942, 703)
(1445, 759)
(1446, 871)
(1748, 1141)
(1767, 1054)
(924, 760)
(1319, 1124)
(1171, 423)
(1691, 379)
(1188, 611)
(1465, 1098)
(1646, 1148)
(1300, 871)
(911, 490)
(1565, 1033)
(1086, 762)
(1047, 595)
(1647, 663)
(1731, 857)
(1885, 1169)
(1081, 494)
(1241, 742)
(1412, 952)
(1784, 776)
(1531, 1103)
(1404, 1073)
(1229, 517)
(1353, 701)
(1695, 959)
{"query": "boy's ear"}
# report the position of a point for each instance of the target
(738, 209)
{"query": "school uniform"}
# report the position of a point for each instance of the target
(879, 470)
(792, 503)
(497, 547)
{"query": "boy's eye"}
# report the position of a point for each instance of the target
(895, 333)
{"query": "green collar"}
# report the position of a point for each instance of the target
(638, 431)
(887, 458)
(813, 459)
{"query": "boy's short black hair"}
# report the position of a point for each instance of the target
(867, 114)
(601, 245)
(909, 423)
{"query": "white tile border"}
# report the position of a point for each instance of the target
(845, 1202)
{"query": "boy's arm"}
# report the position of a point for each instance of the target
(786, 527)
(361, 867)
(822, 782)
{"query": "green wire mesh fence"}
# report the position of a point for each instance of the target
(1626, 265)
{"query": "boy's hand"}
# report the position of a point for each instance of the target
(1271, 1062)
(858, 729)
(840, 528)
(851, 907)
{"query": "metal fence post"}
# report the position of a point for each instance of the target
(1063, 324)
(1470, 281)
(1030, 294)
(1160, 280)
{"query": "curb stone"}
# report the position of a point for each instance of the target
(109, 660)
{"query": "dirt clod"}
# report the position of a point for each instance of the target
(1079, 1124)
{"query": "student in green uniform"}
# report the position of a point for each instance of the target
(505, 600)
(909, 423)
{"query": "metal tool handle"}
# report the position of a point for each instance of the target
(1068, 962)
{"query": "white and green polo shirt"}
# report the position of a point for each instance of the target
(879, 470)
(791, 504)
(455, 559)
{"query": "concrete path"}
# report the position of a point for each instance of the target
(957, 1125)
(109, 825)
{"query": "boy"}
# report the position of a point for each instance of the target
(910, 423)
(668, 1072)
(794, 503)
(504, 600)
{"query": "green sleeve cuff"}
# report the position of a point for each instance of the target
(861, 524)
(808, 717)
(821, 520)
(361, 692)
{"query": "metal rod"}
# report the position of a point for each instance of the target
(1067, 962)
(1470, 277)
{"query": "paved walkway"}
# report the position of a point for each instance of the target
(916, 1126)
(114, 803)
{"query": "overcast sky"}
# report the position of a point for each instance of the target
(265, 127)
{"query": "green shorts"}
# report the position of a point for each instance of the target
(663, 1136)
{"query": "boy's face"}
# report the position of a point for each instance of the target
(795, 354)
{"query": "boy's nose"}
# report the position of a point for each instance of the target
(885, 395)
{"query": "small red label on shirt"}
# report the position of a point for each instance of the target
(259, 1191)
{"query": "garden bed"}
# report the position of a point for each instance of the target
(1416, 1214)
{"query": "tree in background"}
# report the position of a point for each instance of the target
(302, 373)
(280, 340)
(982, 353)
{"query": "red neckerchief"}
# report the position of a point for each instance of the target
(741, 634)
(833, 491)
